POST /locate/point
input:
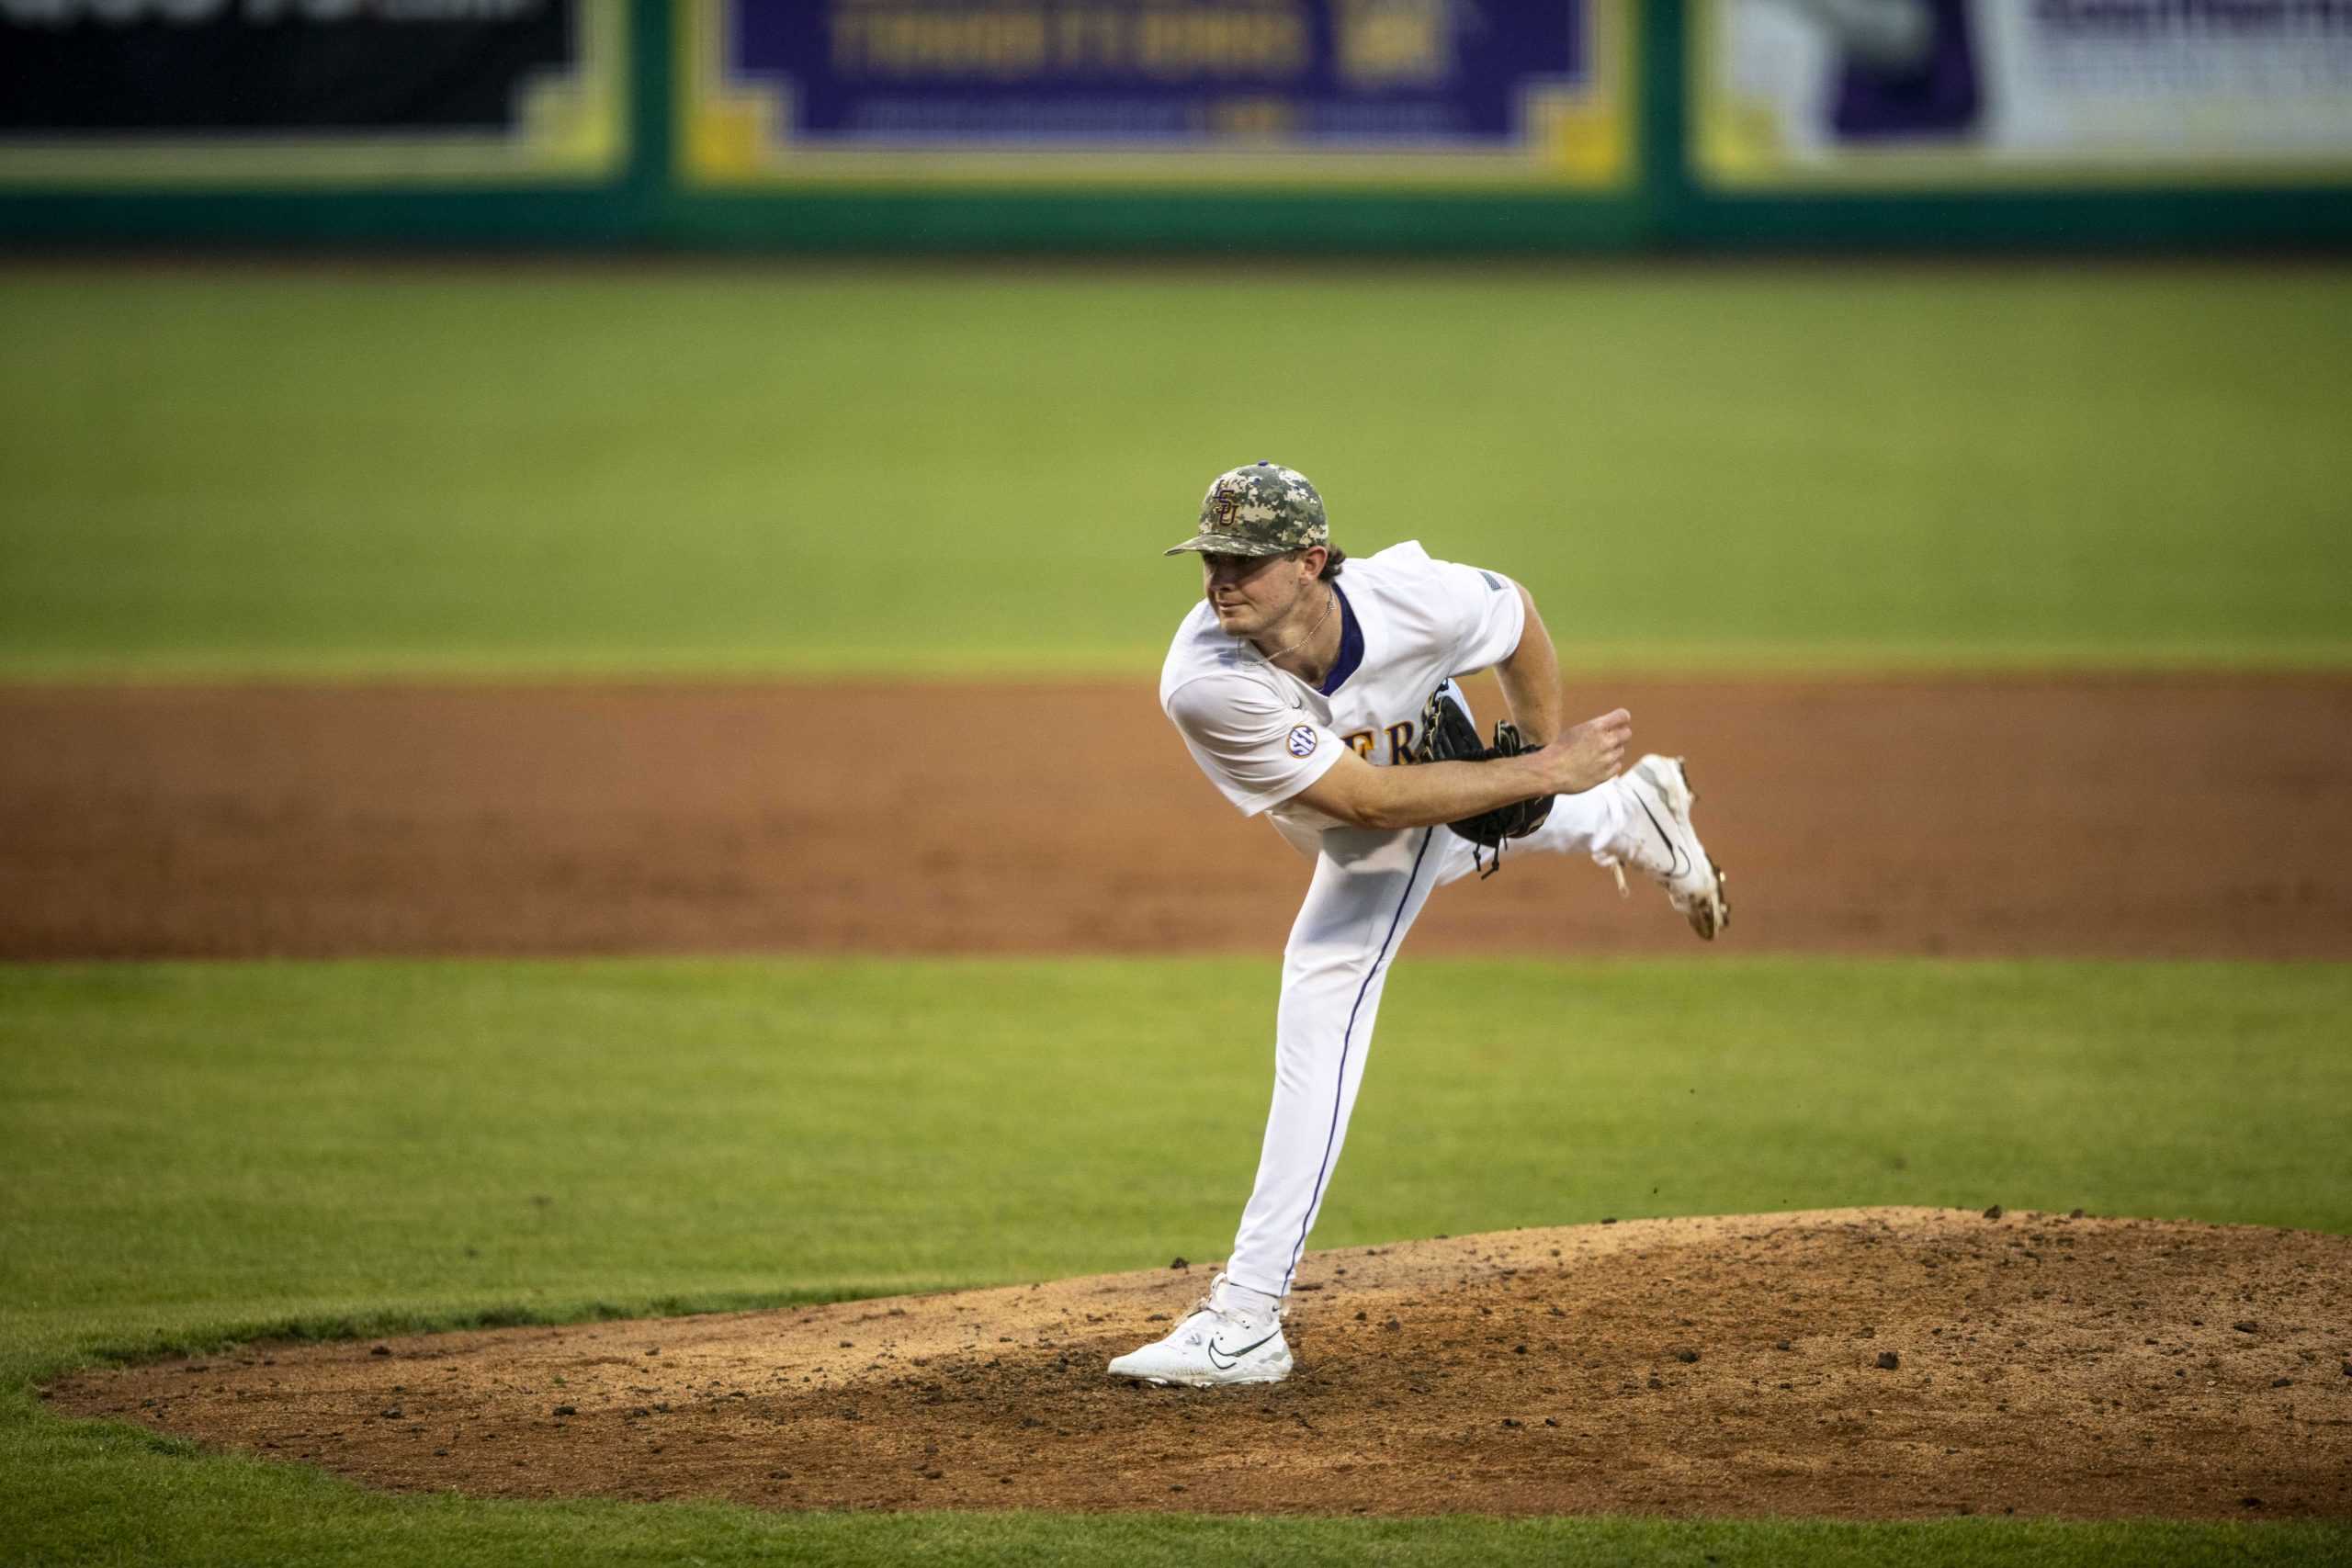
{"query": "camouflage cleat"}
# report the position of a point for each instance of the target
(1262, 509)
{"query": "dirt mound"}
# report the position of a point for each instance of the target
(2030, 817)
(1859, 1363)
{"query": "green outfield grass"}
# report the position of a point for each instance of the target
(971, 470)
(199, 1151)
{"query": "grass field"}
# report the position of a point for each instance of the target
(197, 1151)
(336, 471)
(964, 470)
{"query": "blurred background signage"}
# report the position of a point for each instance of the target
(1795, 91)
(1380, 91)
(373, 90)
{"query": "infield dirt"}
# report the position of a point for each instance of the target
(2027, 817)
(1858, 1363)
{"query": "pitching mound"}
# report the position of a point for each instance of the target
(1861, 1363)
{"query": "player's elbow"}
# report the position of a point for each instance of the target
(1361, 811)
(1381, 808)
(1355, 795)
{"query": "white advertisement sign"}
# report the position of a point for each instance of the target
(1793, 93)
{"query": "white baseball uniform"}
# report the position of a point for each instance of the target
(1262, 735)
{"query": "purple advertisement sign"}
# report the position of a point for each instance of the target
(1269, 82)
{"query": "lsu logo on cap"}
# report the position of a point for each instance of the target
(1303, 741)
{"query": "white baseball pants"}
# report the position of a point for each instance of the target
(1368, 887)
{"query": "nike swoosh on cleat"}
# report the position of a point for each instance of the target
(1234, 1356)
(1681, 856)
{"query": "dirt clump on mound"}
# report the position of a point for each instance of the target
(1858, 1363)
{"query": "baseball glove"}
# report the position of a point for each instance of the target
(1447, 736)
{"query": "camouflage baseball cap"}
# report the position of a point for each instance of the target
(1262, 509)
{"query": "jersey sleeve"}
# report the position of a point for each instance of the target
(1256, 748)
(1486, 611)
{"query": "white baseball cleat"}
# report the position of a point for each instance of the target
(1214, 1346)
(1658, 840)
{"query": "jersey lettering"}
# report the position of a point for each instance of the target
(1398, 736)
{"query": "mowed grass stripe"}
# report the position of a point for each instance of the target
(970, 470)
(246, 1514)
(192, 1149)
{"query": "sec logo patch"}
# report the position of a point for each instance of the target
(1301, 740)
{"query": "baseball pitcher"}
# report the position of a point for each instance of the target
(1302, 691)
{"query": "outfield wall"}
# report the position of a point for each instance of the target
(1216, 126)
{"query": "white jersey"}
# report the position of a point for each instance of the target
(1262, 735)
